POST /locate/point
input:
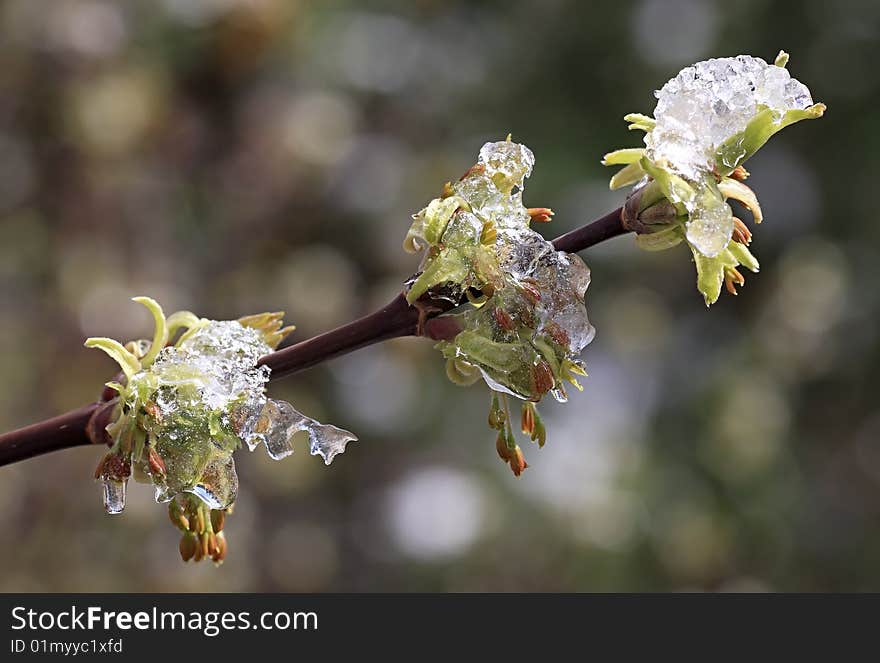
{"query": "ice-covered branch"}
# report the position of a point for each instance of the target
(85, 425)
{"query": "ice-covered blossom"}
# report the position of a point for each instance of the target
(520, 322)
(709, 119)
(185, 406)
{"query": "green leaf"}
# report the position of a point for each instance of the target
(735, 189)
(627, 175)
(709, 277)
(183, 320)
(625, 156)
(437, 216)
(504, 357)
(115, 386)
(126, 360)
(448, 265)
(710, 271)
(661, 239)
(739, 147)
(160, 335)
(674, 188)
(744, 256)
(639, 121)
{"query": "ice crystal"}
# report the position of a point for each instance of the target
(711, 101)
(186, 407)
(275, 424)
(526, 321)
(697, 112)
(709, 119)
(479, 238)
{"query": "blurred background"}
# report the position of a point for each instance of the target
(235, 156)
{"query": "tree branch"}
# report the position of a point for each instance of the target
(85, 425)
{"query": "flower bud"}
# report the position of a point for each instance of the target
(503, 319)
(188, 546)
(157, 465)
(200, 519)
(518, 462)
(732, 278)
(113, 466)
(501, 447)
(496, 414)
(542, 377)
(741, 232)
(527, 422)
(218, 519)
(220, 550)
(177, 516)
(540, 214)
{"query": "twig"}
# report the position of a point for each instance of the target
(85, 425)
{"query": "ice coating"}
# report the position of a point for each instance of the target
(534, 323)
(277, 422)
(707, 103)
(114, 495)
(214, 366)
(507, 163)
(202, 397)
(697, 111)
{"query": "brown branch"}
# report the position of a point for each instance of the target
(86, 424)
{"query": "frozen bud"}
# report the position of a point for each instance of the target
(540, 214)
(218, 519)
(518, 313)
(503, 319)
(733, 278)
(539, 434)
(709, 119)
(518, 462)
(113, 466)
(741, 232)
(502, 448)
(219, 553)
(497, 418)
(527, 422)
(739, 173)
(157, 465)
(185, 402)
(154, 411)
(189, 545)
(199, 519)
(177, 516)
(542, 377)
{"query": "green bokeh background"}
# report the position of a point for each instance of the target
(232, 157)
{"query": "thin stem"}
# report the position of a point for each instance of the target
(61, 432)
(391, 321)
(79, 427)
(606, 227)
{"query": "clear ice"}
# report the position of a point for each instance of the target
(535, 318)
(697, 111)
(277, 422)
(209, 396)
(707, 103)
(114, 495)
